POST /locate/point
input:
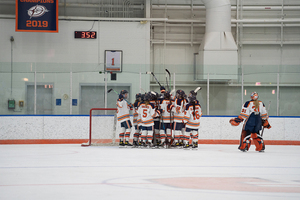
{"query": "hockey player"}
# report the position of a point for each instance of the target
(178, 108)
(123, 117)
(192, 116)
(165, 128)
(255, 116)
(136, 105)
(147, 112)
(156, 102)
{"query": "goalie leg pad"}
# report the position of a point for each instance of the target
(258, 142)
(244, 134)
(245, 141)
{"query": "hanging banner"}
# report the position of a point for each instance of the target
(37, 15)
(113, 60)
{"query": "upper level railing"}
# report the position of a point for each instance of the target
(73, 89)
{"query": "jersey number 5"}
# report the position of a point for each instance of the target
(145, 113)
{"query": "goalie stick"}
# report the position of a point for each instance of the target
(119, 95)
(262, 132)
(154, 77)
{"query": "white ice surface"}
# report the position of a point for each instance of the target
(52, 172)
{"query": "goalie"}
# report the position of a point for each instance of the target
(255, 116)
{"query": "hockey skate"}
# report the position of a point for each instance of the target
(121, 144)
(186, 146)
(162, 145)
(195, 146)
(150, 145)
(176, 145)
(135, 144)
(128, 145)
(142, 145)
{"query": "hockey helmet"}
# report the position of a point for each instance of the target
(148, 96)
(192, 99)
(162, 89)
(254, 96)
(153, 95)
(143, 97)
(123, 92)
(138, 95)
(180, 93)
(193, 93)
(167, 95)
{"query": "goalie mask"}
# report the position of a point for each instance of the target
(254, 96)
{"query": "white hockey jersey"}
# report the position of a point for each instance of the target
(165, 111)
(123, 111)
(147, 113)
(135, 113)
(179, 108)
(191, 118)
(248, 108)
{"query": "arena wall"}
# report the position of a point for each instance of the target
(75, 129)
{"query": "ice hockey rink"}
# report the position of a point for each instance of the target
(69, 171)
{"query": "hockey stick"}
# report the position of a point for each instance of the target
(143, 90)
(168, 73)
(262, 132)
(119, 95)
(197, 89)
(154, 77)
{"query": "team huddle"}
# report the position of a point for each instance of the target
(160, 120)
(164, 121)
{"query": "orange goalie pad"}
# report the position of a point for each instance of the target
(258, 142)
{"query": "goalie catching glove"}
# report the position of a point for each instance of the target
(236, 121)
(266, 124)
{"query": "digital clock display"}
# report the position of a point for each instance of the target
(86, 34)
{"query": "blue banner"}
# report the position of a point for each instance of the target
(37, 15)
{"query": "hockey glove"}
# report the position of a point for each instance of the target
(236, 121)
(159, 111)
(266, 124)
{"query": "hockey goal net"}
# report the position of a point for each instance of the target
(102, 127)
